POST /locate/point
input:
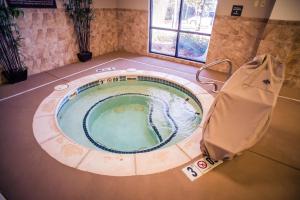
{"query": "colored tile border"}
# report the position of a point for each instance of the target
(161, 144)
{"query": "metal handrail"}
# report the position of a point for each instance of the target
(213, 64)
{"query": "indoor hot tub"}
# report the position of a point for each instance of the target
(126, 114)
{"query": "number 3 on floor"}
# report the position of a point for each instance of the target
(191, 172)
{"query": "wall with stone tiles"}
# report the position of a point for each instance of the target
(232, 37)
(236, 38)
(104, 32)
(50, 41)
(282, 40)
(133, 30)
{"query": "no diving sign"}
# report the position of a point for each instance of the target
(201, 164)
(200, 167)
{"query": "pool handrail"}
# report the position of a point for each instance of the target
(229, 72)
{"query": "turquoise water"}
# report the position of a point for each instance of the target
(129, 116)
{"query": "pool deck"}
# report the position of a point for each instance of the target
(269, 170)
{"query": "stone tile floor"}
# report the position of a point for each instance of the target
(270, 170)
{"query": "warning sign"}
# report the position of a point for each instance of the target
(201, 164)
(205, 164)
(200, 167)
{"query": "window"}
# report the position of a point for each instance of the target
(181, 28)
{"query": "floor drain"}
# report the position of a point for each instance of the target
(61, 87)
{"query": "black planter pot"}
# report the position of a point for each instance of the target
(15, 76)
(84, 56)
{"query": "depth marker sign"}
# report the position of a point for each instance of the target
(200, 167)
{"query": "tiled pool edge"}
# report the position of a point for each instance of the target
(71, 154)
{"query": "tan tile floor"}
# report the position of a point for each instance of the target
(270, 170)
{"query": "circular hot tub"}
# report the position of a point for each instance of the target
(125, 115)
(122, 116)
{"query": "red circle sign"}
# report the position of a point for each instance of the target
(202, 164)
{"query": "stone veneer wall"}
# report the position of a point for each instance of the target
(282, 40)
(235, 38)
(104, 34)
(50, 41)
(133, 31)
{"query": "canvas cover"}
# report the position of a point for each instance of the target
(242, 110)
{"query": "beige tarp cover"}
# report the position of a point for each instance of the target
(242, 110)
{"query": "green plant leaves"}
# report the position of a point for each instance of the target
(9, 39)
(81, 13)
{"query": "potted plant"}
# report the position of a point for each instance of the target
(13, 68)
(81, 13)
